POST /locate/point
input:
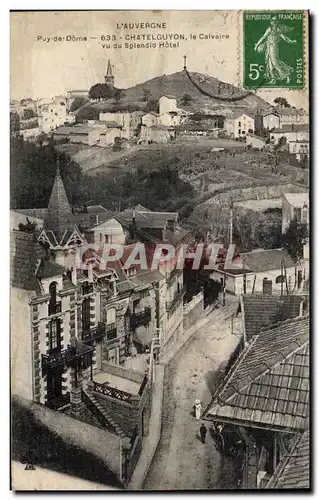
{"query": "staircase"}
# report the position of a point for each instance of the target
(101, 414)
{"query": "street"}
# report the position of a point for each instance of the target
(182, 461)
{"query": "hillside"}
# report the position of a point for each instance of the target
(177, 85)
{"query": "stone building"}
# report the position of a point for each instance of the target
(73, 325)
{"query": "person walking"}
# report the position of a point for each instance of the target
(198, 409)
(203, 432)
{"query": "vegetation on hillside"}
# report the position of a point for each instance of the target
(294, 238)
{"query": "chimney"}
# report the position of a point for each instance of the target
(90, 272)
(74, 276)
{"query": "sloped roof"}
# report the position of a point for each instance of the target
(291, 111)
(269, 384)
(297, 200)
(238, 113)
(23, 260)
(293, 127)
(267, 260)
(147, 218)
(147, 278)
(260, 311)
(47, 269)
(59, 217)
(294, 472)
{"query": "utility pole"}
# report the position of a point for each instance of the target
(231, 223)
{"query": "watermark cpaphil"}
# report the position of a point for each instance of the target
(155, 257)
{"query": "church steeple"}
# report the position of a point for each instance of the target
(59, 224)
(109, 78)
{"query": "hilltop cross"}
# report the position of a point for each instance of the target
(185, 67)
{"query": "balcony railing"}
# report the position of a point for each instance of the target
(178, 296)
(64, 357)
(111, 331)
(87, 288)
(94, 334)
(141, 318)
(54, 308)
(112, 392)
(59, 402)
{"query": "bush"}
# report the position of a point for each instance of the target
(77, 103)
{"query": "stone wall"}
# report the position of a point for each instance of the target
(193, 311)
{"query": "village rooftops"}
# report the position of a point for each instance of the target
(297, 200)
(268, 386)
(294, 470)
(291, 127)
(261, 311)
(238, 113)
(291, 111)
(270, 112)
(81, 129)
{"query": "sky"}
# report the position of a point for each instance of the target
(43, 69)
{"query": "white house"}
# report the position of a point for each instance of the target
(53, 113)
(299, 148)
(255, 141)
(289, 116)
(271, 120)
(167, 104)
(291, 133)
(294, 205)
(109, 231)
(239, 124)
(263, 272)
(150, 119)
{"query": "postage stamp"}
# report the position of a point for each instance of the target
(273, 46)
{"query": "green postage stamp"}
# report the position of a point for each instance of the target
(273, 45)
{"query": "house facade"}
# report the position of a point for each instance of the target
(300, 149)
(262, 271)
(239, 124)
(291, 133)
(289, 116)
(150, 119)
(271, 120)
(294, 205)
(255, 141)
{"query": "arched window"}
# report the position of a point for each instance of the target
(110, 316)
(52, 292)
(280, 278)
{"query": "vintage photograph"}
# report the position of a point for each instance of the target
(159, 250)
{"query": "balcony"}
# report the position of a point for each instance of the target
(111, 331)
(94, 334)
(66, 357)
(54, 308)
(172, 304)
(87, 288)
(141, 318)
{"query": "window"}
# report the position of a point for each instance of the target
(106, 238)
(52, 292)
(239, 124)
(297, 213)
(280, 278)
(101, 236)
(111, 316)
(55, 334)
(86, 320)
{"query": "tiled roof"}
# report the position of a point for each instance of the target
(147, 218)
(297, 199)
(294, 472)
(23, 260)
(267, 260)
(47, 269)
(59, 216)
(293, 127)
(269, 384)
(260, 311)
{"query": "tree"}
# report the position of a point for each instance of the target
(186, 99)
(152, 105)
(282, 101)
(101, 91)
(28, 114)
(294, 238)
(14, 123)
(77, 103)
(29, 227)
(146, 94)
(118, 95)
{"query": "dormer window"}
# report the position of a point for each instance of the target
(52, 291)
